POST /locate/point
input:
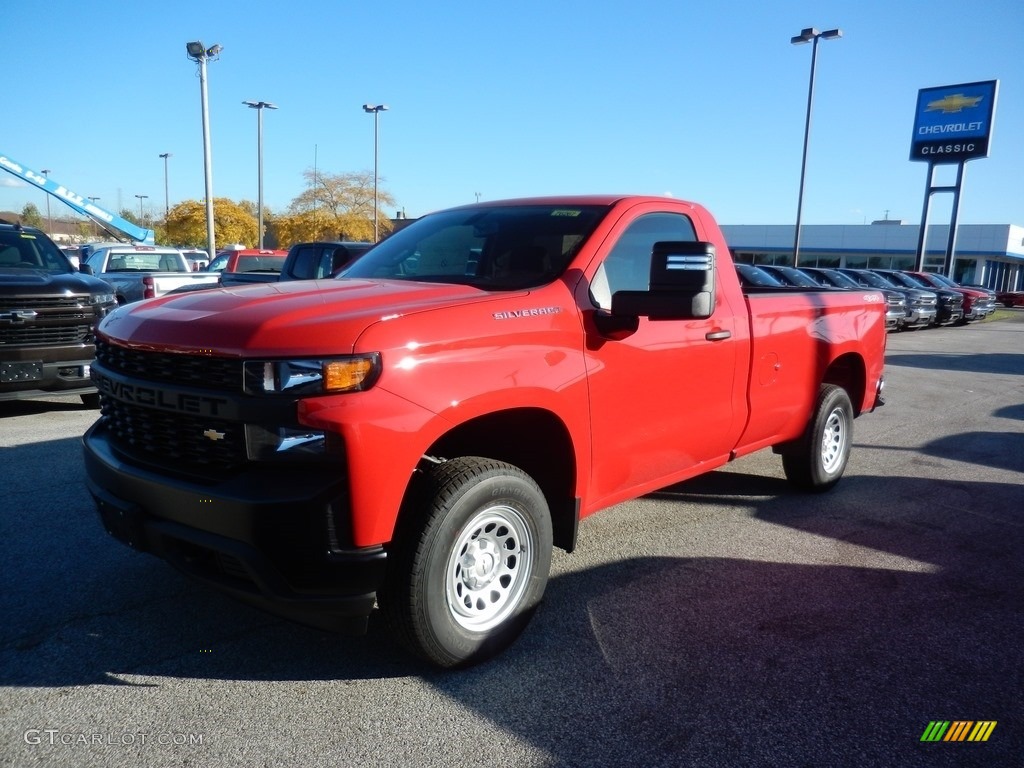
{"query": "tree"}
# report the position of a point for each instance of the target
(31, 217)
(186, 224)
(335, 206)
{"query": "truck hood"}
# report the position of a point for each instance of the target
(293, 318)
(40, 282)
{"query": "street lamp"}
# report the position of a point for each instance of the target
(375, 110)
(259, 106)
(167, 196)
(809, 35)
(49, 221)
(141, 198)
(199, 54)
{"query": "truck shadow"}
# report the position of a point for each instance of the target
(894, 607)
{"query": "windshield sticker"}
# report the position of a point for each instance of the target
(566, 213)
(27, 236)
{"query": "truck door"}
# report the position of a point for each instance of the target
(666, 397)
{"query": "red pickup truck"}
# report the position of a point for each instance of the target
(422, 431)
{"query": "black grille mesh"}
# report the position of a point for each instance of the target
(218, 373)
(174, 439)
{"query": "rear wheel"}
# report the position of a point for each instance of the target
(470, 561)
(816, 461)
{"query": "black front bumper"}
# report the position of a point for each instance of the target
(269, 537)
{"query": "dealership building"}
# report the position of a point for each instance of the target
(985, 254)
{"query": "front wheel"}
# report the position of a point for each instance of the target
(817, 460)
(470, 561)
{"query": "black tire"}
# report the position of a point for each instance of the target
(817, 460)
(469, 563)
(91, 401)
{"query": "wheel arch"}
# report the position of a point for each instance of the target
(533, 439)
(848, 371)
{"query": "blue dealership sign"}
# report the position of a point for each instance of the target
(953, 123)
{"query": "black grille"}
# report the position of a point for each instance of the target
(174, 439)
(44, 302)
(38, 335)
(55, 320)
(223, 374)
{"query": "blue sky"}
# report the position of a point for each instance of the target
(701, 101)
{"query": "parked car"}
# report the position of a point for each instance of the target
(755, 276)
(977, 303)
(895, 300)
(142, 271)
(1010, 298)
(197, 258)
(252, 265)
(418, 436)
(48, 312)
(950, 305)
(318, 260)
(922, 305)
(791, 276)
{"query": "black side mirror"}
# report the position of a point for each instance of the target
(682, 284)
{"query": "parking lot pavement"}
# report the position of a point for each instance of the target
(723, 621)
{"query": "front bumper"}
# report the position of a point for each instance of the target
(268, 536)
(23, 379)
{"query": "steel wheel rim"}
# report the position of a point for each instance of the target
(833, 441)
(489, 568)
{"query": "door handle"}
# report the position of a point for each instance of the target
(717, 335)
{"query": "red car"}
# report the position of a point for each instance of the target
(978, 303)
(1010, 298)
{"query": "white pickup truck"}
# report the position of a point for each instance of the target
(143, 271)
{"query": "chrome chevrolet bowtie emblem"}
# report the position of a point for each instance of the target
(213, 434)
(18, 315)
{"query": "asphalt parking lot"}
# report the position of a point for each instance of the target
(727, 621)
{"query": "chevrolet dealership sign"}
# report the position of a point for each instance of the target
(953, 123)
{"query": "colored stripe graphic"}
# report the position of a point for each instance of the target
(959, 730)
(982, 730)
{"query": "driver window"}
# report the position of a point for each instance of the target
(628, 265)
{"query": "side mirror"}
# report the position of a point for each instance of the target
(85, 269)
(682, 284)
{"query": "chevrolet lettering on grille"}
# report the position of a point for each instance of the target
(155, 397)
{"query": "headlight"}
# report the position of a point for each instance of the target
(102, 298)
(311, 377)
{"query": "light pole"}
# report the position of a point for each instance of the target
(49, 221)
(809, 35)
(199, 54)
(95, 230)
(375, 110)
(167, 196)
(141, 217)
(259, 106)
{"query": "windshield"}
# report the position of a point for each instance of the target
(907, 281)
(23, 249)
(751, 275)
(839, 279)
(872, 279)
(499, 247)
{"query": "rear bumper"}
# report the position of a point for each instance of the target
(265, 537)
